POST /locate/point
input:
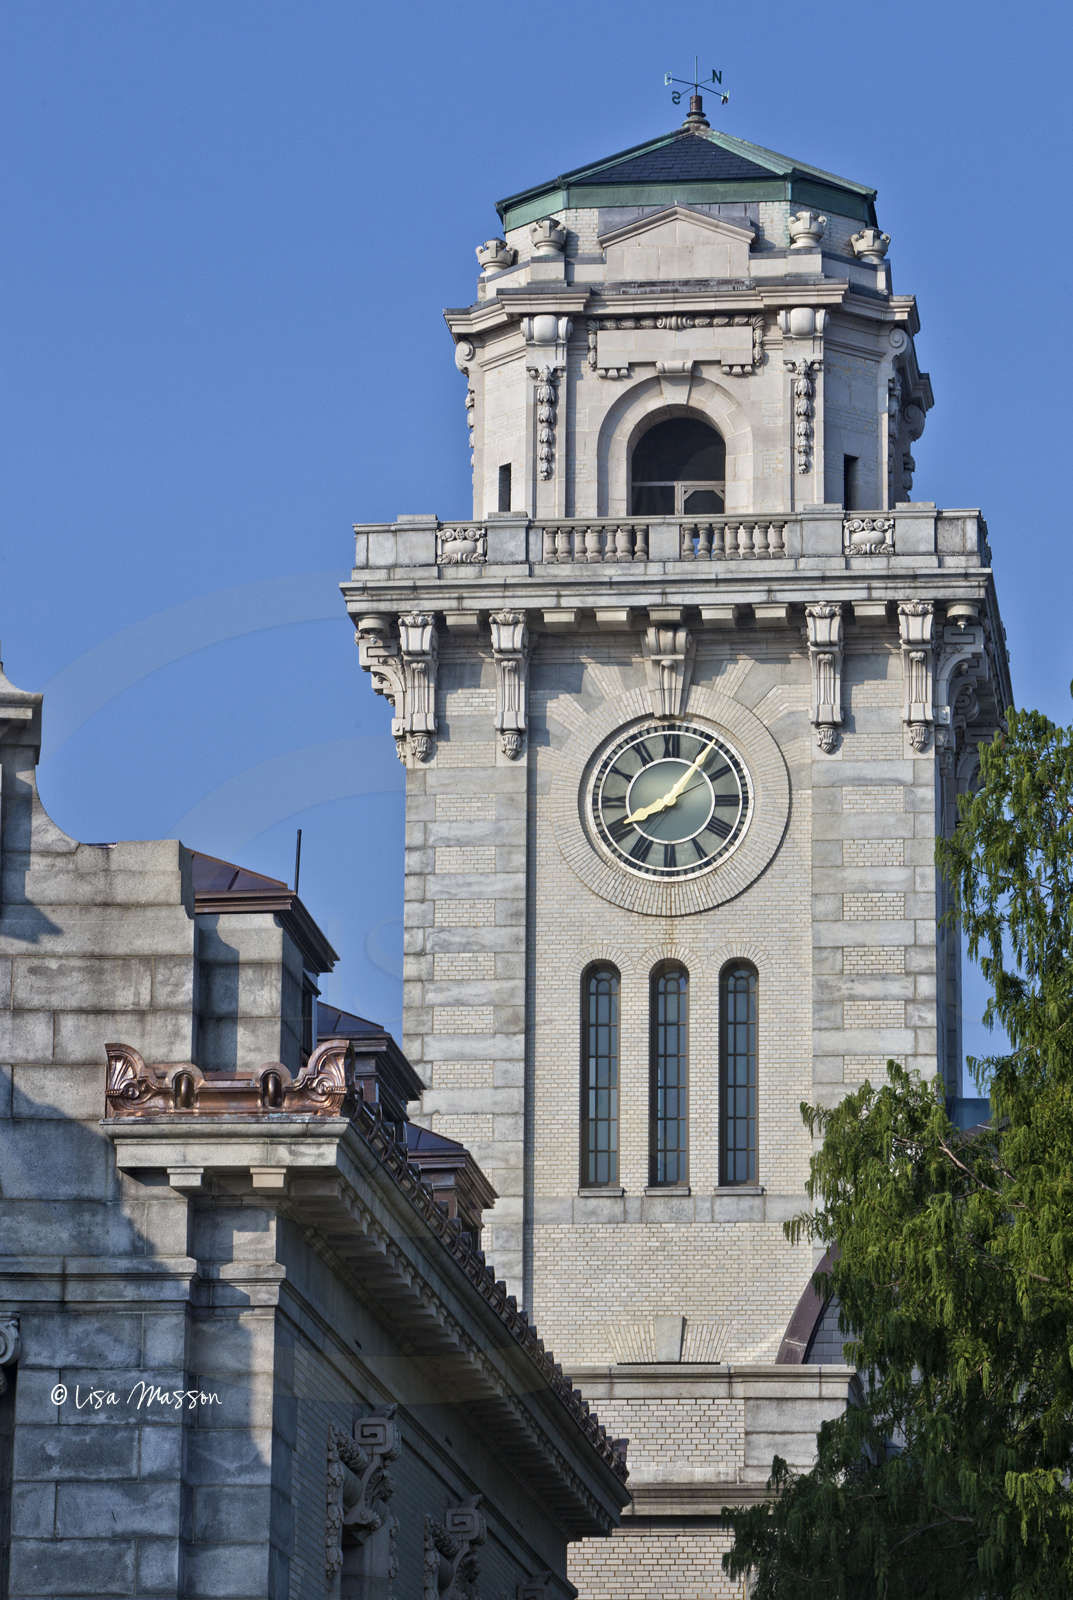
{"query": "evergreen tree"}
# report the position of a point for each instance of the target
(954, 1272)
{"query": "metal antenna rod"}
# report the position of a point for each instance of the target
(297, 859)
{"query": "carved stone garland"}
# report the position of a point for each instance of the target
(868, 536)
(894, 417)
(675, 322)
(404, 672)
(547, 381)
(804, 411)
(915, 622)
(359, 1486)
(450, 1567)
(824, 624)
(510, 646)
(668, 654)
(10, 1347)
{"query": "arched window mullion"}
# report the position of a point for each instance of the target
(599, 1077)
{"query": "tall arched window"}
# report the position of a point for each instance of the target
(669, 1081)
(738, 1066)
(599, 1076)
(679, 466)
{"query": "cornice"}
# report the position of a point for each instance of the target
(350, 1182)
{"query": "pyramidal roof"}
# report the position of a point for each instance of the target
(695, 165)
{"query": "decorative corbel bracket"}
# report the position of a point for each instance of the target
(915, 621)
(668, 653)
(963, 665)
(825, 657)
(510, 647)
(404, 672)
(10, 1346)
(359, 1484)
(450, 1567)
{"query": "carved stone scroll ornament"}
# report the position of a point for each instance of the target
(668, 654)
(510, 647)
(359, 1483)
(868, 536)
(450, 1568)
(461, 547)
(404, 672)
(824, 624)
(326, 1086)
(804, 392)
(962, 663)
(915, 622)
(547, 396)
(9, 1346)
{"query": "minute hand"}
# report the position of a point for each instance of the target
(671, 796)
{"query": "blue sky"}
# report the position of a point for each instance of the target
(229, 231)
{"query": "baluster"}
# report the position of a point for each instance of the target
(730, 535)
(704, 541)
(623, 543)
(564, 544)
(640, 542)
(549, 545)
(745, 539)
(718, 542)
(760, 542)
(688, 531)
(776, 538)
(592, 544)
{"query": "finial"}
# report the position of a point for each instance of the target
(696, 120)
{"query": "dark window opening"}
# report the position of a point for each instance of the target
(309, 1013)
(738, 1069)
(679, 468)
(504, 488)
(850, 488)
(669, 1082)
(599, 1077)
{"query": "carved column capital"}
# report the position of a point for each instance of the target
(824, 625)
(450, 1567)
(668, 653)
(510, 648)
(359, 1484)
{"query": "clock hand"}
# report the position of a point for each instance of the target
(672, 795)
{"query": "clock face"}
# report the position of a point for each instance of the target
(670, 800)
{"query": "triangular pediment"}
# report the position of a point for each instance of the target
(686, 224)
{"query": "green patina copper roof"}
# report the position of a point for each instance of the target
(691, 166)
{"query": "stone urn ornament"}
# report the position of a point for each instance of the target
(870, 246)
(806, 230)
(495, 254)
(549, 239)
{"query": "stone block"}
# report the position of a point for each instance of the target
(58, 1091)
(599, 1209)
(229, 1456)
(26, 1036)
(218, 1512)
(81, 984)
(159, 1566)
(68, 1567)
(220, 1571)
(84, 1509)
(33, 1508)
(161, 1451)
(74, 1451)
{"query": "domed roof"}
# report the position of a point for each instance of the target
(693, 165)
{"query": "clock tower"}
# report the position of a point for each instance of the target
(684, 706)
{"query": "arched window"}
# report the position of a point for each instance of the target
(668, 1143)
(738, 1066)
(678, 466)
(599, 1077)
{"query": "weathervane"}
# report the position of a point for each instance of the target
(695, 83)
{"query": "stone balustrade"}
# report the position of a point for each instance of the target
(731, 539)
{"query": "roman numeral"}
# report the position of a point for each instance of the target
(699, 848)
(670, 856)
(672, 744)
(614, 802)
(718, 828)
(642, 848)
(725, 800)
(620, 829)
(644, 753)
(722, 772)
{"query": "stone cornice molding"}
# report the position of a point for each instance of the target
(352, 1183)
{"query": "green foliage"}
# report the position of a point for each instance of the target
(951, 1476)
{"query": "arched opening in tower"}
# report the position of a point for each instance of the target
(678, 469)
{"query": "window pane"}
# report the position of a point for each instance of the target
(739, 1070)
(701, 502)
(653, 500)
(599, 1077)
(682, 448)
(669, 1116)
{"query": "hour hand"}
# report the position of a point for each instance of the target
(650, 810)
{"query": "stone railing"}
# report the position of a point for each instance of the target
(596, 541)
(732, 539)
